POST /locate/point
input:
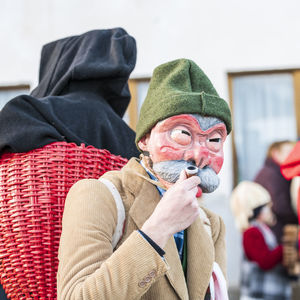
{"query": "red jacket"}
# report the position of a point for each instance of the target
(257, 250)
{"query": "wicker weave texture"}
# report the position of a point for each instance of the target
(33, 188)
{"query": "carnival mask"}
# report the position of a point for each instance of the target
(186, 140)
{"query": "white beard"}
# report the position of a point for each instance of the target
(170, 171)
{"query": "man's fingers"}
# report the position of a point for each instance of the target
(192, 182)
(189, 183)
(194, 190)
(182, 176)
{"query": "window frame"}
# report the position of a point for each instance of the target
(295, 72)
(14, 87)
(133, 105)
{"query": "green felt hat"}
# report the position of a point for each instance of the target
(180, 87)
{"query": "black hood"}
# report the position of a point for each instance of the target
(103, 59)
(81, 97)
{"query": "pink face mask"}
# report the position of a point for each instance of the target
(180, 138)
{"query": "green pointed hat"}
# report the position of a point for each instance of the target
(180, 87)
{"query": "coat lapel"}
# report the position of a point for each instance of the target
(146, 198)
(175, 274)
(144, 204)
(200, 256)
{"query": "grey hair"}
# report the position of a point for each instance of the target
(206, 122)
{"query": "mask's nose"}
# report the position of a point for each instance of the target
(199, 154)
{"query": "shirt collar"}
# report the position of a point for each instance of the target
(152, 176)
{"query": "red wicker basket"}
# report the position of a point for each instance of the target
(33, 187)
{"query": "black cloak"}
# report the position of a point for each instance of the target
(81, 97)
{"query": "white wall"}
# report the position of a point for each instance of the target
(218, 35)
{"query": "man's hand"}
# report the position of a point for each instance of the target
(176, 211)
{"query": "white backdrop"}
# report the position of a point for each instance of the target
(219, 35)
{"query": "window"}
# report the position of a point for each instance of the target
(264, 111)
(9, 92)
(138, 90)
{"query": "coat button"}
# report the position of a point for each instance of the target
(141, 284)
(152, 273)
(147, 279)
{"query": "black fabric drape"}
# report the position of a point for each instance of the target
(81, 97)
(2, 294)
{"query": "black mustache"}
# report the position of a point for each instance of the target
(170, 171)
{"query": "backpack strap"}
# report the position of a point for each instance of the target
(120, 211)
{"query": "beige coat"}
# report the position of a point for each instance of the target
(88, 267)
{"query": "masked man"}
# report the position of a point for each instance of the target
(170, 247)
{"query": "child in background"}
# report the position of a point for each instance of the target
(262, 272)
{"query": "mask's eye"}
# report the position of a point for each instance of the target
(214, 142)
(181, 136)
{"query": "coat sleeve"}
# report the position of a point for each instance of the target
(88, 267)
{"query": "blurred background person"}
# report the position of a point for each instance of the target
(273, 181)
(262, 276)
(290, 169)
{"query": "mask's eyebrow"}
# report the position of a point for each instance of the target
(206, 122)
